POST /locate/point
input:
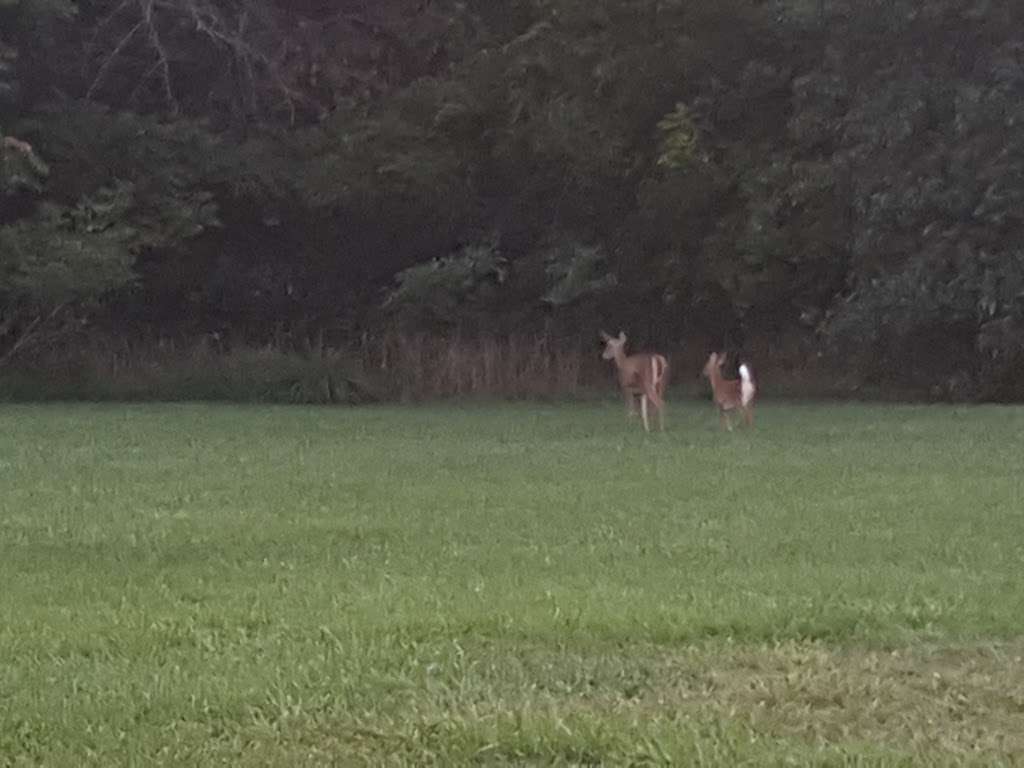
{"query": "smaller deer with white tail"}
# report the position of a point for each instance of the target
(642, 375)
(731, 394)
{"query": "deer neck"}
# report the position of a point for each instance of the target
(621, 359)
(715, 375)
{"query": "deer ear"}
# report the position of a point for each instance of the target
(721, 359)
(622, 336)
(604, 336)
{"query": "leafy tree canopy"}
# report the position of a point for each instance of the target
(847, 171)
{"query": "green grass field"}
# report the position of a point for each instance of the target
(510, 584)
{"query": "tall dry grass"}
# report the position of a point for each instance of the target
(425, 366)
(387, 366)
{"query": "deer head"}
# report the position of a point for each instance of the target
(714, 364)
(614, 346)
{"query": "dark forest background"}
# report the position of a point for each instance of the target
(307, 200)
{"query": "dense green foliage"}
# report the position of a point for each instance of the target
(845, 172)
(510, 585)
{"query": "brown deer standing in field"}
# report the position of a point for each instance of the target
(642, 375)
(731, 394)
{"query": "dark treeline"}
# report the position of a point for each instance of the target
(803, 178)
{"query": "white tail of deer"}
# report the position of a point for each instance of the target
(643, 376)
(731, 394)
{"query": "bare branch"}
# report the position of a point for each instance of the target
(212, 26)
(148, 22)
(29, 334)
(142, 81)
(242, 34)
(161, 52)
(114, 54)
(103, 23)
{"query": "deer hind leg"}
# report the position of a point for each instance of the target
(748, 416)
(643, 412)
(661, 411)
(725, 420)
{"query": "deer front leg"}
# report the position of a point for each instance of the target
(643, 412)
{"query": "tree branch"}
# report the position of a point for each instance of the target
(161, 52)
(212, 26)
(114, 54)
(148, 21)
(103, 23)
(37, 324)
(245, 36)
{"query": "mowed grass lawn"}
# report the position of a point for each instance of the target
(524, 584)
